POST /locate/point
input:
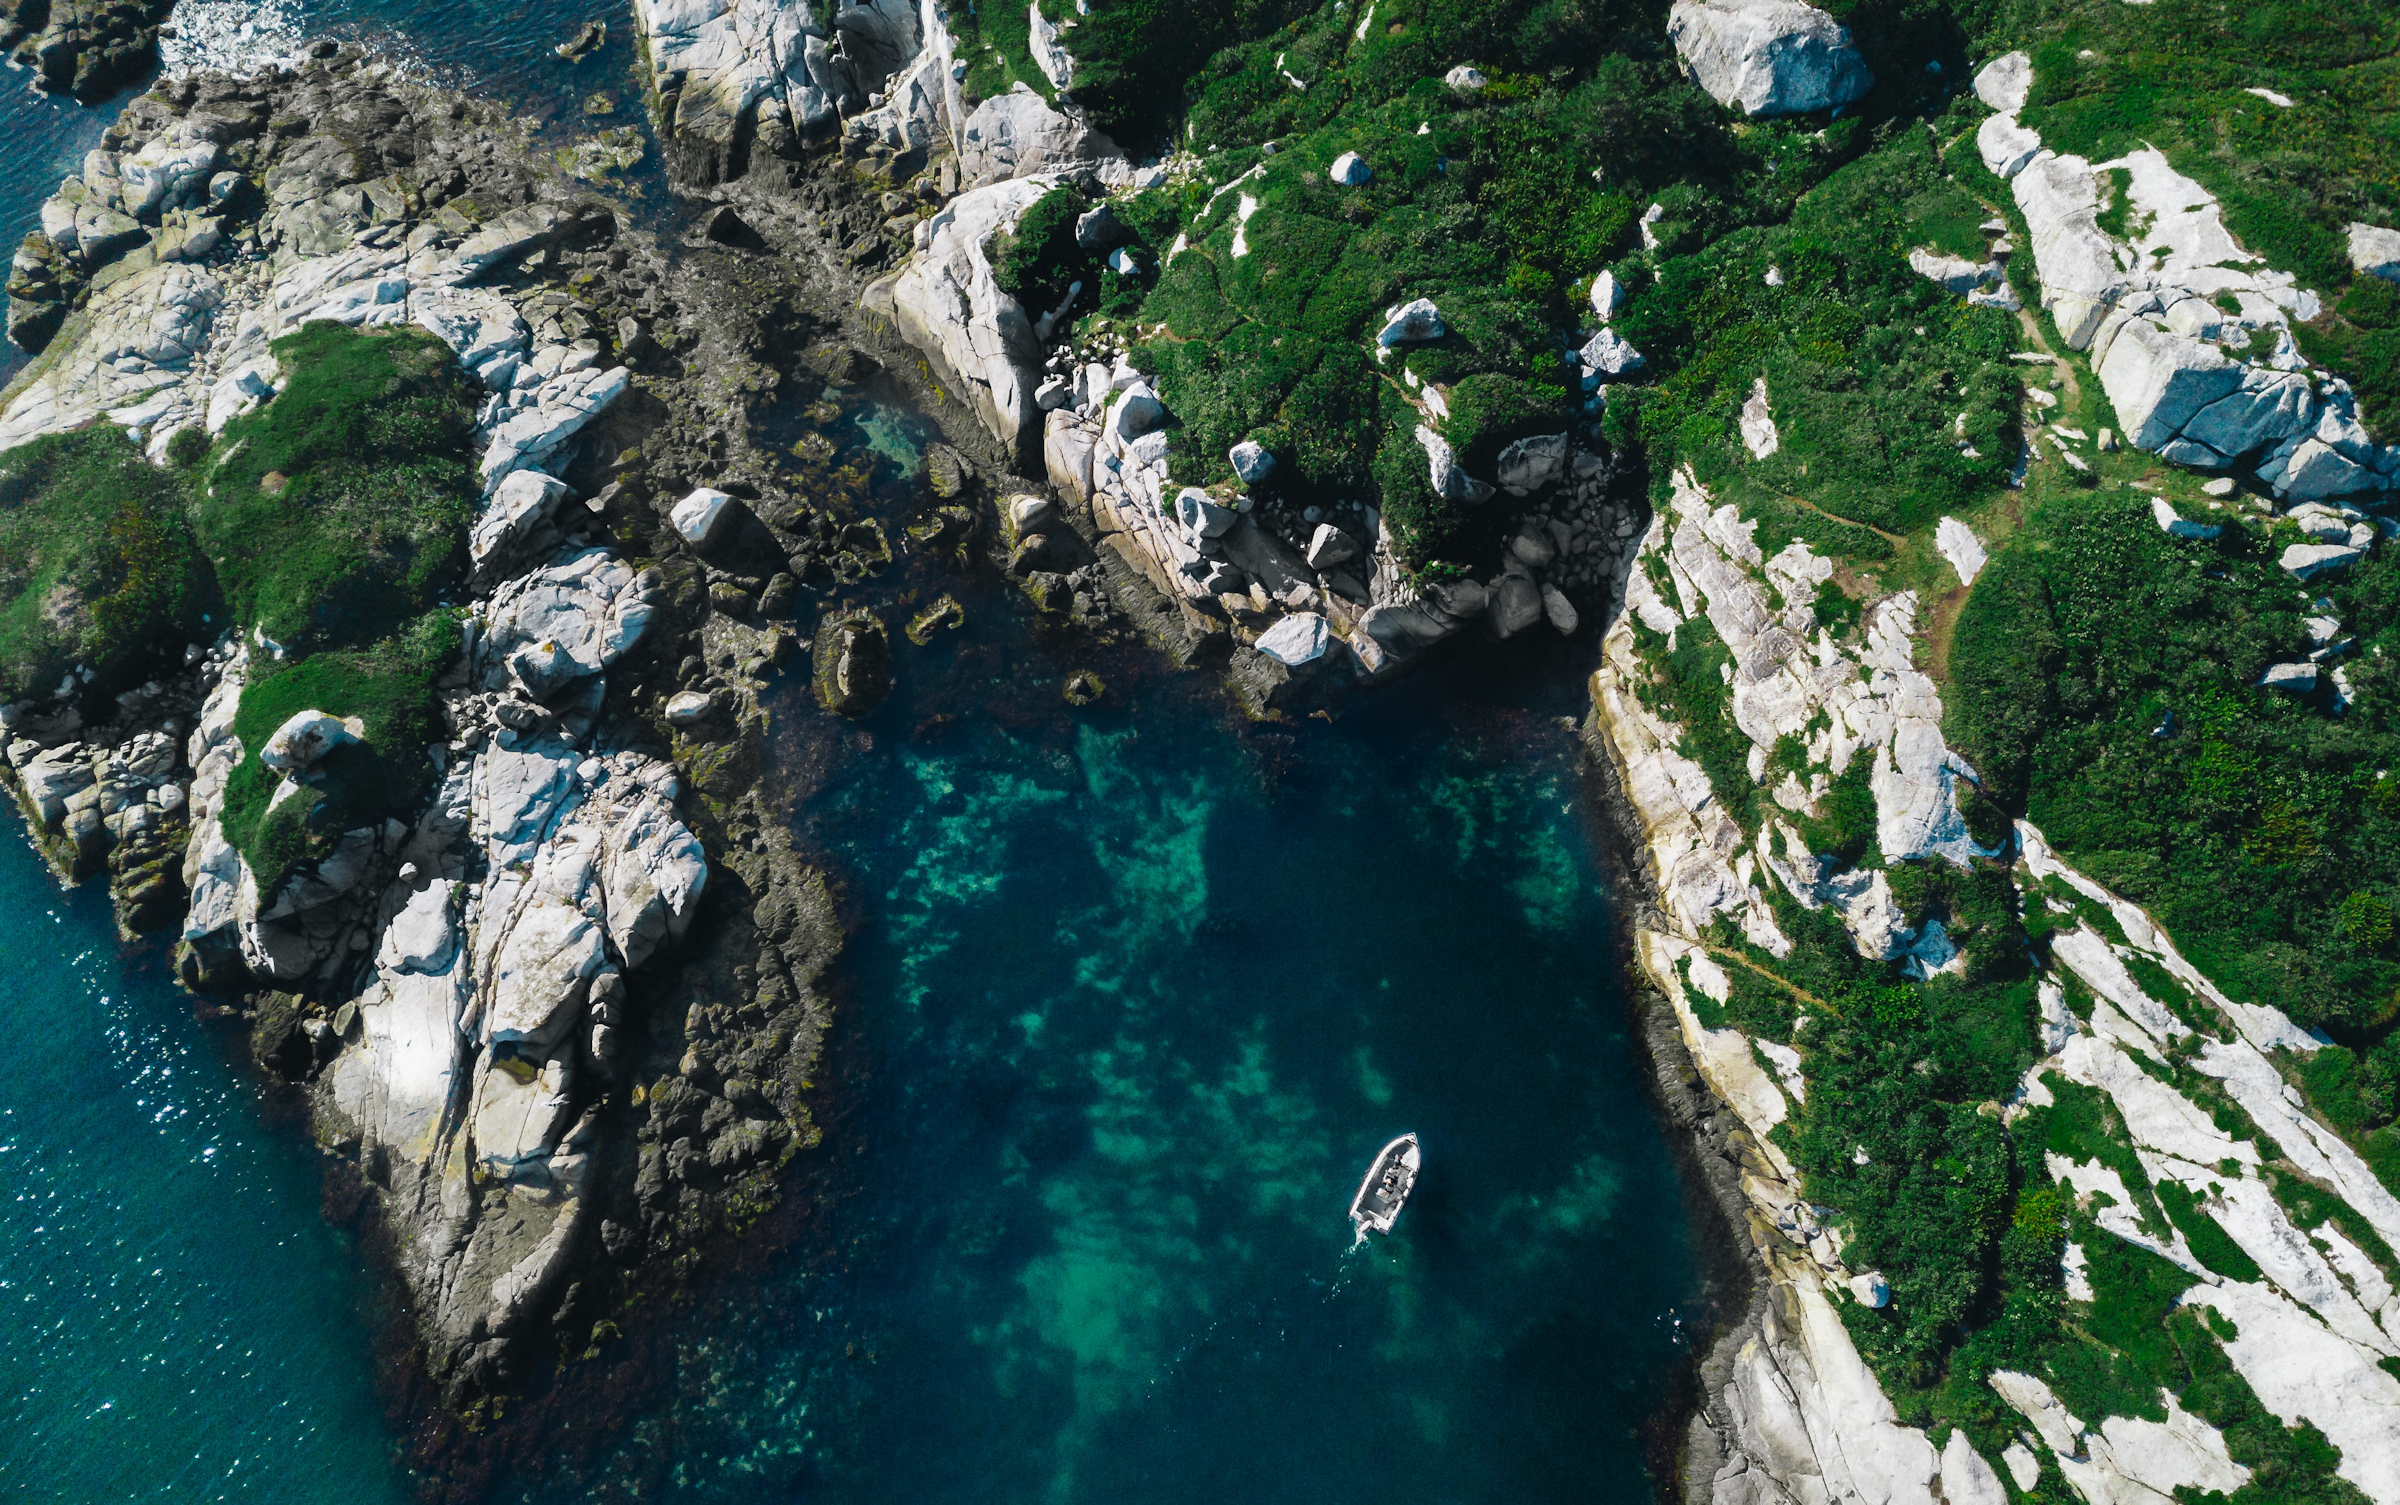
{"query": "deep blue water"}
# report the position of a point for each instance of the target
(177, 1320)
(1136, 994)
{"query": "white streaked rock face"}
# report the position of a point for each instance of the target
(947, 305)
(2303, 1372)
(2194, 381)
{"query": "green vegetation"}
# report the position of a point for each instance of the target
(1502, 205)
(98, 568)
(994, 41)
(331, 520)
(389, 687)
(1487, 204)
(2111, 78)
(339, 511)
(336, 515)
(1036, 262)
(1870, 368)
(2100, 676)
(2108, 677)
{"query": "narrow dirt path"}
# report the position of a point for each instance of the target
(1801, 501)
(1728, 954)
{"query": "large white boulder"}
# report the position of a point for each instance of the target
(1202, 515)
(1757, 422)
(1300, 638)
(2375, 251)
(1016, 135)
(1956, 274)
(2006, 146)
(305, 738)
(563, 406)
(423, 936)
(2005, 82)
(1413, 322)
(514, 515)
(2175, 525)
(1770, 57)
(169, 173)
(698, 515)
(2081, 277)
(567, 620)
(947, 305)
(2160, 381)
(1049, 50)
(1609, 353)
(1956, 542)
(1608, 296)
(1449, 479)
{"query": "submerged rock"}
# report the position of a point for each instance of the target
(853, 663)
(944, 612)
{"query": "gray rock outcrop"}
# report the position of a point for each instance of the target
(2189, 333)
(452, 985)
(1018, 134)
(2375, 251)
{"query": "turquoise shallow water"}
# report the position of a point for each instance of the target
(1136, 993)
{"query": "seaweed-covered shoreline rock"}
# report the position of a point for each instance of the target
(853, 663)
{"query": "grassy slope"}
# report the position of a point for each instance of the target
(2176, 75)
(371, 442)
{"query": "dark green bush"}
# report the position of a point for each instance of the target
(1036, 262)
(2107, 678)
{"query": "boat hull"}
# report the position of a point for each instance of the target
(1385, 1190)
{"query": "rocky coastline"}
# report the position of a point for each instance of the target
(555, 901)
(567, 1023)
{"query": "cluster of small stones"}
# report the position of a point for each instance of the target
(1589, 534)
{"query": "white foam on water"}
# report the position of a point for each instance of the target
(233, 35)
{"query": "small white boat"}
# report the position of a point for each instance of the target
(1386, 1187)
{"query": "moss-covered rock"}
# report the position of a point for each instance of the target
(853, 663)
(388, 686)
